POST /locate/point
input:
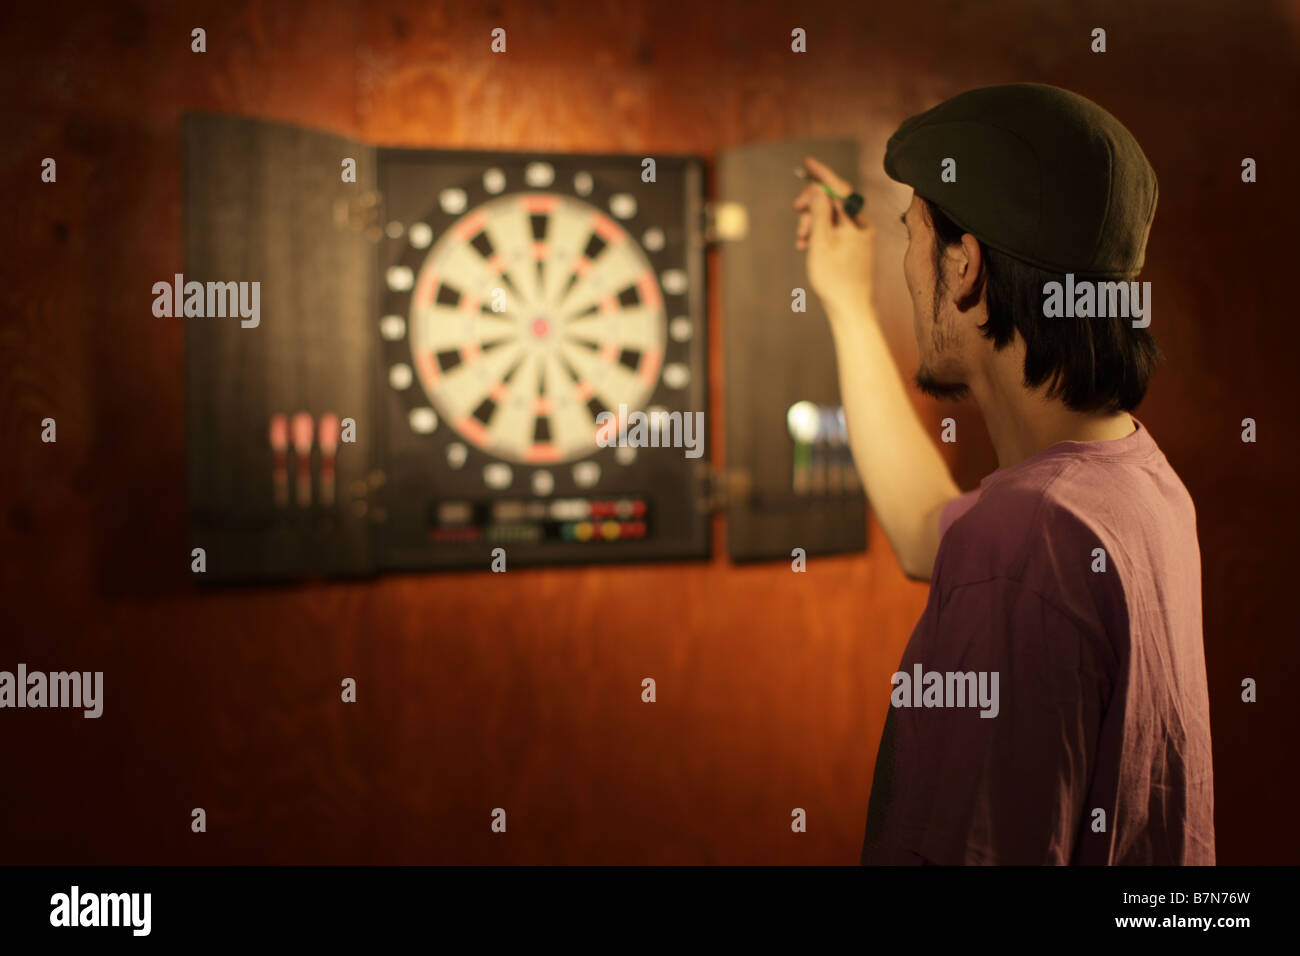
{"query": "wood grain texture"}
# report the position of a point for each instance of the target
(522, 691)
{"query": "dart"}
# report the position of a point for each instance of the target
(279, 436)
(835, 451)
(820, 453)
(853, 202)
(327, 431)
(846, 452)
(302, 435)
(801, 421)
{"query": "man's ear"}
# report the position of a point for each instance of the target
(968, 271)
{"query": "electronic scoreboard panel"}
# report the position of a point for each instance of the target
(441, 334)
(521, 297)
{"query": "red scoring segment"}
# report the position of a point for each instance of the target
(541, 453)
(426, 288)
(606, 228)
(535, 203)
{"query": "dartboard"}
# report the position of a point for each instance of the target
(515, 317)
(530, 316)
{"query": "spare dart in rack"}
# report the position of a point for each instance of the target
(801, 422)
(851, 484)
(302, 439)
(820, 453)
(279, 437)
(327, 436)
(835, 452)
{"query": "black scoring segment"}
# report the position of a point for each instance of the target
(485, 411)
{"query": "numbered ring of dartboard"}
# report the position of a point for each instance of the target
(533, 312)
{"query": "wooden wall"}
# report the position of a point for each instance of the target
(522, 691)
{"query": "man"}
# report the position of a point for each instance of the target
(1068, 584)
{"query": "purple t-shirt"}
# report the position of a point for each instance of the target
(1051, 706)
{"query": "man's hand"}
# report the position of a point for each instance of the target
(841, 251)
(909, 484)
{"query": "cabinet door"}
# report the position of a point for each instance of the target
(265, 203)
(791, 494)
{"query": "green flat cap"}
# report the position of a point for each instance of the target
(1042, 174)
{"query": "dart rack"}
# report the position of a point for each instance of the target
(274, 496)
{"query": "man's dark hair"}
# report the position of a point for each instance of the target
(1091, 364)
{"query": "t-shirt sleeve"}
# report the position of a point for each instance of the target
(955, 509)
(1009, 787)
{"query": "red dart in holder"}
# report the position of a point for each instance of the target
(302, 438)
(327, 436)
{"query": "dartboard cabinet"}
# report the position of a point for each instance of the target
(441, 332)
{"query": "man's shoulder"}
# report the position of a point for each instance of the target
(1089, 533)
(1019, 516)
(1031, 528)
(1072, 502)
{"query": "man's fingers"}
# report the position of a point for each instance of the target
(819, 214)
(801, 233)
(823, 173)
(860, 220)
(804, 204)
(804, 199)
(823, 213)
